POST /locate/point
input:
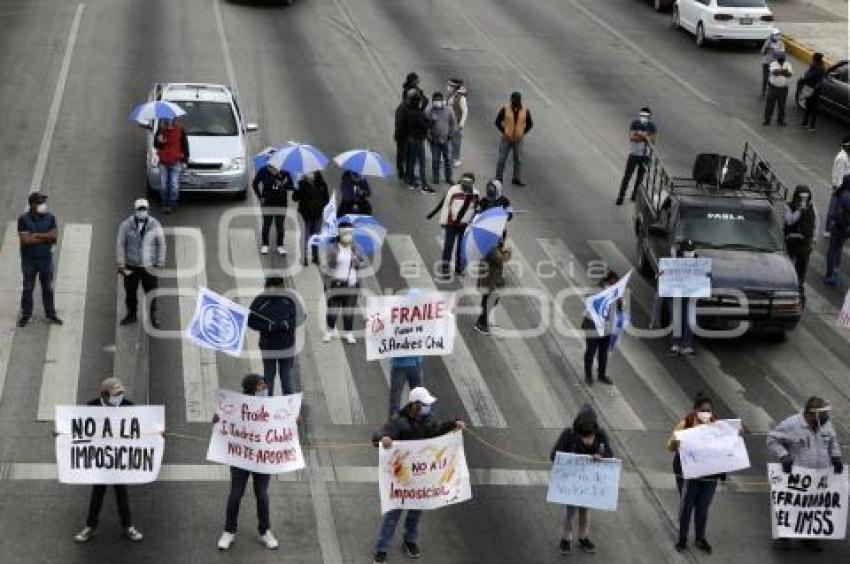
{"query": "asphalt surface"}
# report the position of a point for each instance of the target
(329, 72)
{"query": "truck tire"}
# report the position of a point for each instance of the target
(700, 36)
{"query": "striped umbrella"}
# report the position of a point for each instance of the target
(364, 162)
(297, 159)
(262, 158)
(482, 235)
(149, 111)
(368, 233)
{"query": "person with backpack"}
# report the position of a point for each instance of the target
(355, 192)
(839, 230)
(812, 80)
(312, 197)
(274, 315)
(801, 226)
(270, 186)
(585, 436)
(488, 284)
(456, 98)
(456, 210)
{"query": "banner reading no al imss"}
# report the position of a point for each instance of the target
(410, 325)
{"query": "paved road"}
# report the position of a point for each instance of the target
(329, 72)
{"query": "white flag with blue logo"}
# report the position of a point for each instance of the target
(329, 223)
(598, 306)
(218, 323)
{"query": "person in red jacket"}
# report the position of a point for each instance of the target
(173, 151)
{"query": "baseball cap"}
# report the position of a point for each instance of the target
(421, 395)
(140, 203)
(36, 198)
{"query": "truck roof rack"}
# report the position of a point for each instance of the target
(715, 176)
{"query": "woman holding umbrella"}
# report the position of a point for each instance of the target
(341, 259)
(355, 192)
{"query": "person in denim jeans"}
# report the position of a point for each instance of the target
(403, 369)
(172, 147)
(38, 232)
(839, 231)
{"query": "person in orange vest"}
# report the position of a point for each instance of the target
(514, 121)
(172, 148)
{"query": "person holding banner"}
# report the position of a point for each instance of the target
(111, 394)
(695, 495)
(585, 436)
(415, 421)
(806, 440)
(342, 258)
(252, 385)
(273, 314)
(599, 345)
(682, 336)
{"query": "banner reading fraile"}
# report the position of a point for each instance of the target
(259, 434)
(419, 324)
(423, 474)
(808, 503)
(578, 479)
(714, 448)
(109, 445)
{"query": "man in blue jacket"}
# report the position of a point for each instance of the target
(38, 232)
(274, 314)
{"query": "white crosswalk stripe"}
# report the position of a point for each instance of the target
(65, 343)
(200, 371)
(130, 363)
(10, 293)
(463, 370)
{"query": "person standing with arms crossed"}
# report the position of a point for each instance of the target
(777, 89)
(38, 233)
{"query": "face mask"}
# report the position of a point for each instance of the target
(262, 393)
(689, 254)
(425, 410)
(41, 208)
(115, 400)
(438, 104)
(643, 119)
(804, 201)
(346, 238)
(141, 215)
(704, 416)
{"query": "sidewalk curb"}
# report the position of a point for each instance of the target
(800, 50)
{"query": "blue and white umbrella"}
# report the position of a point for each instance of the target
(364, 162)
(149, 111)
(368, 233)
(262, 158)
(297, 159)
(482, 235)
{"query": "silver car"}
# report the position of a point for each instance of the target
(218, 148)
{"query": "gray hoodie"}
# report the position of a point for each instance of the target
(443, 123)
(808, 447)
(139, 245)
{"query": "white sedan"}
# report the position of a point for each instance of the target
(714, 20)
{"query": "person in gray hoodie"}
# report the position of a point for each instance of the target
(140, 245)
(443, 127)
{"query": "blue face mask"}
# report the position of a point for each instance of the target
(115, 400)
(425, 410)
(262, 393)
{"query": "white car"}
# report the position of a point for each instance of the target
(715, 20)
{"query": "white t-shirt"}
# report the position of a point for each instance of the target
(344, 267)
(779, 81)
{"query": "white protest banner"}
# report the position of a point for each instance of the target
(410, 325)
(218, 323)
(259, 434)
(424, 474)
(844, 316)
(713, 448)
(807, 503)
(598, 306)
(109, 445)
(684, 277)
(578, 479)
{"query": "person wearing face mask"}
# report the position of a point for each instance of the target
(840, 169)
(443, 127)
(514, 122)
(270, 185)
(38, 233)
(355, 191)
(490, 282)
(140, 246)
(585, 436)
(801, 226)
(839, 232)
(275, 315)
(341, 259)
(456, 99)
(456, 210)
(808, 440)
(695, 495)
(777, 89)
(415, 421)
(599, 345)
(172, 148)
(770, 51)
(416, 124)
(252, 385)
(682, 337)
(642, 135)
(111, 395)
(312, 197)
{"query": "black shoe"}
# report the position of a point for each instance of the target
(703, 545)
(53, 320)
(411, 549)
(380, 556)
(586, 545)
(564, 546)
(681, 546)
(304, 262)
(588, 381)
(23, 320)
(129, 319)
(619, 202)
(517, 182)
(426, 189)
(483, 329)
(606, 380)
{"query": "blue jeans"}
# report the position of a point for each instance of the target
(415, 154)
(695, 498)
(441, 151)
(274, 366)
(169, 184)
(412, 375)
(452, 241)
(833, 253)
(506, 147)
(43, 268)
(238, 481)
(311, 227)
(388, 525)
(456, 141)
(682, 334)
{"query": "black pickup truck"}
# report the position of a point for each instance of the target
(733, 211)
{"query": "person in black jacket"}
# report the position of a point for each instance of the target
(417, 125)
(111, 394)
(270, 186)
(354, 194)
(275, 315)
(584, 437)
(411, 86)
(415, 421)
(812, 81)
(400, 138)
(312, 197)
(801, 227)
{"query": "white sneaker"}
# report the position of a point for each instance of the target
(349, 338)
(134, 534)
(268, 539)
(328, 336)
(458, 162)
(264, 250)
(85, 534)
(226, 540)
(826, 234)
(281, 250)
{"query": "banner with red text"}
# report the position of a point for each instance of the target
(419, 324)
(424, 474)
(259, 434)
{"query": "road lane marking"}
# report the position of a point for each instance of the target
(325, 527)
(709, 367)
(11, 284)
(130, 361)
(245, 259)
(56, 104)
(61, 371)
(471, 387)
(200, 372)
(225, 46)
(642, 361)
